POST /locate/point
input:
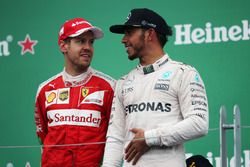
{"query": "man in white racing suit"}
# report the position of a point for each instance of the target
(159, 105)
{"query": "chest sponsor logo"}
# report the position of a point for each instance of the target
(160, 86)
(74, 117)
(51, 97)
(148, 106)
(94, 98)
(59, 96)
(165, 77)
(127, 90)
(85, 92)
(64, 95)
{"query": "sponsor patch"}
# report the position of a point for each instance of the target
(59, 96)
(148, 69)
(63, 96)
(197, 90)
(199, 103)
(148, 106)
(74, 117)
(199, 96)
(85, 92)
(166, 75)
(160, 86)
(200, 109)
(197, 84)
(50, 97)
(127, 90)
(94, 98)
(197, 78)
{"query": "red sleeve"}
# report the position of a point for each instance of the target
(40, 116)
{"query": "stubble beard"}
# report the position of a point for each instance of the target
(138, 49)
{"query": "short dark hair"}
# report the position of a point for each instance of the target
(164, 38)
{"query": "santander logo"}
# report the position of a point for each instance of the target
(76, 117)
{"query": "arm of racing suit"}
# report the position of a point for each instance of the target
(113, 155)
(194, 109)
(40, 118)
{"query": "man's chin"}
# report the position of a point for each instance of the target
(132, 57)
(84, 67)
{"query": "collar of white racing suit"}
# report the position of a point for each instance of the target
(72, 81)
(153, 67)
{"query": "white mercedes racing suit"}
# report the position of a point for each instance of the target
(168, 100)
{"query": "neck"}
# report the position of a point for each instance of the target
(75, 71)
(151, 57)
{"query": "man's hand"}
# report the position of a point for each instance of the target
(137, 147)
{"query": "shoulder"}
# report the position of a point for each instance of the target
(111, 81)
(127, 79)
(182, 66)
(48, 81)
(187, 74)
(129, 76)
(122, 79)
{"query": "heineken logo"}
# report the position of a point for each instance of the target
(27, 45)
(4, 46)
(186, 34)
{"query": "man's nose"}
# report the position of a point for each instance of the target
(87, 46)
(124, 39)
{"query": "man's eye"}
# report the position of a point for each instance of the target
(82, 41)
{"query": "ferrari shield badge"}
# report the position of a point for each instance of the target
(85, 92)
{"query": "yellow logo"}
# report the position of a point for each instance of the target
(85, 92)
(51, 97)
(64, 95)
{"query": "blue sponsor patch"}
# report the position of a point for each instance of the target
(197, 78)
(166, 75)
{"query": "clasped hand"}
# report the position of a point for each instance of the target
(137, 147)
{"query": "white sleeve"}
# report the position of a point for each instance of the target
(193, 103)
(113, 155)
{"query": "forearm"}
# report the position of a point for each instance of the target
(113, 155)
(190, 128)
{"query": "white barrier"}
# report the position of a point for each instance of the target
(237, 136)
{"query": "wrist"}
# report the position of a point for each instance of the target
(152, 138)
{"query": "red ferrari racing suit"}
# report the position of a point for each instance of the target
(72, 112)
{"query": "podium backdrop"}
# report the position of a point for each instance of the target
(213, 36)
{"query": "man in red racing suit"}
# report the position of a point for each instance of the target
(72, 115)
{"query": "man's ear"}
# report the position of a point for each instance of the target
(150, 32)
(63, 46)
